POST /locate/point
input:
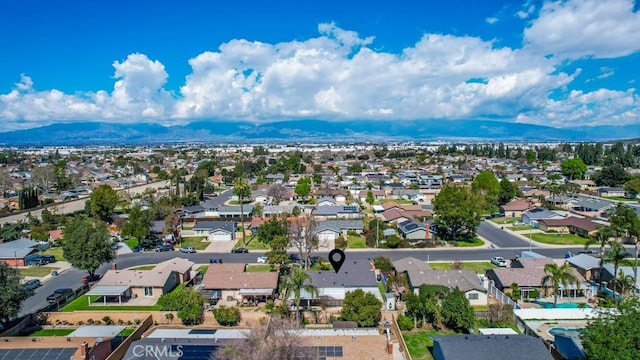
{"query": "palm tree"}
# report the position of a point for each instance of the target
(626, 283)
(616, 254)
(602, 237)
(241, 190)
(556, 276)
(295, 283)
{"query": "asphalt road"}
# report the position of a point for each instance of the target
(501, 238)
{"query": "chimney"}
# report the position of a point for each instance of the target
(84, 349)
(427, 235)
(114, 266)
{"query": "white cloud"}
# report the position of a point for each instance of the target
(585, 28)
(337, 75)
(491, 20)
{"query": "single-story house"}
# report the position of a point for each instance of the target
(420, 273)
(337, 212)
(154, 283)
(515, 208)
(331, 229)
(611, 192)
(230, 282)
(332, 286)
(413, 230)
(528, 273)
(377, 195)
(18, 252)
(326, 201)
(588, 266)
(491, 347)
(580, 226)
(215, 230)
(531, 217)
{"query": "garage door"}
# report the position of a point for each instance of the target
(219, 236)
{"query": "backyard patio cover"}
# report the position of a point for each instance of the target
(108, 290)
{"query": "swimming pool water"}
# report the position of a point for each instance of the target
(562, 330)
(564, 305)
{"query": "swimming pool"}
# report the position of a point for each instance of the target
(563, 330)
(564, 305)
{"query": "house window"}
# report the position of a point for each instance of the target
(472, 296)
(148, 291)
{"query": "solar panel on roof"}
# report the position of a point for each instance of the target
(37, 354)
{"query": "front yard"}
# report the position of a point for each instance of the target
(37, 271)
(356, 242)
(195, 241)
(260, 268)
(557, 239)
(477, 266)
(55, 251)
(82, 304)
(469, 243)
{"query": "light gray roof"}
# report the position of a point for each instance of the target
(108, 290)
(584, 261)
(340, 225)
(228, 226)
(22, 243)
(420, 273)
(483, 347)
(9, 253)
(540, 213)
(193, 334)
(235, 209)
(95, 331)
(351, 274)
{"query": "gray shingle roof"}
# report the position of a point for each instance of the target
(492, 347)
(584, 261)
(351, 274)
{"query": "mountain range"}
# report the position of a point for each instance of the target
(309, 131)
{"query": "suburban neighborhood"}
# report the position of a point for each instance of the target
(194, 252)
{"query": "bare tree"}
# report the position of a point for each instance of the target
(277, 192)
(280, 338)
(303, 236)
(44, 176)
(5, 180)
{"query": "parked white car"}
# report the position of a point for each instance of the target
(499, 261)
(262, 260)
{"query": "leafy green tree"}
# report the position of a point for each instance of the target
(383, 263)
(370, 199)
(278, 252)
(558, 275)
(626, 223)
(574, 168)
(488, 185)
(275, 226)
(303, 187)
(242, 190)
(227, 316)
(614, 335)
(612, 175)
(188, 302)
(361, 307)
(603, 237)
(12, 293)
(102, 202)
(86, 244)
(632, 186)
(138, 224)
(295, 283)
(457, 312)
(458, 211)
(508, 191)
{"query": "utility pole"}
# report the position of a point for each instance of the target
(378, 230)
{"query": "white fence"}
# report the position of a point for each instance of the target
(501, 296)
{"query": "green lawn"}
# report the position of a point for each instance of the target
(131, 243)
(37, 271)
(520, 227)
(260, 268)
(477, 266)
(356, 242)
(620, 198)
(126, 332)
(203, 269)
(195, 241)
(82, 304)
(470, 243)
(144, 267)
(418, 343)
(51, 332)
(504, 220)
(557, 239)
(382, 288)
(55, 251)
(253, 243)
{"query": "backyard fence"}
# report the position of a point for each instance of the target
(501, 296)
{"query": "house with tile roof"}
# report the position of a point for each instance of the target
(232, 283)
(515, 208)
(584, 227)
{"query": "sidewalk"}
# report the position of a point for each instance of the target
(526, 238)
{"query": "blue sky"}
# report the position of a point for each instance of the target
(559, 63)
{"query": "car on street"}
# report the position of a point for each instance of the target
(162, 248)
(518, 223)
(188, 250)
(591, 252)
(262, 259)
(48, 258)
(239, 250)
(59, 294)
(31, 284)
(88, 278)
(499, 261)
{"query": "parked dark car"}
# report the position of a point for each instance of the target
(88, 278)
(37, 261)
(162, 248)
(239, 251)
(31, 284)
(59, 294)
(48, 258)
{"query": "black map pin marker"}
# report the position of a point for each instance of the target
(336, 258)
